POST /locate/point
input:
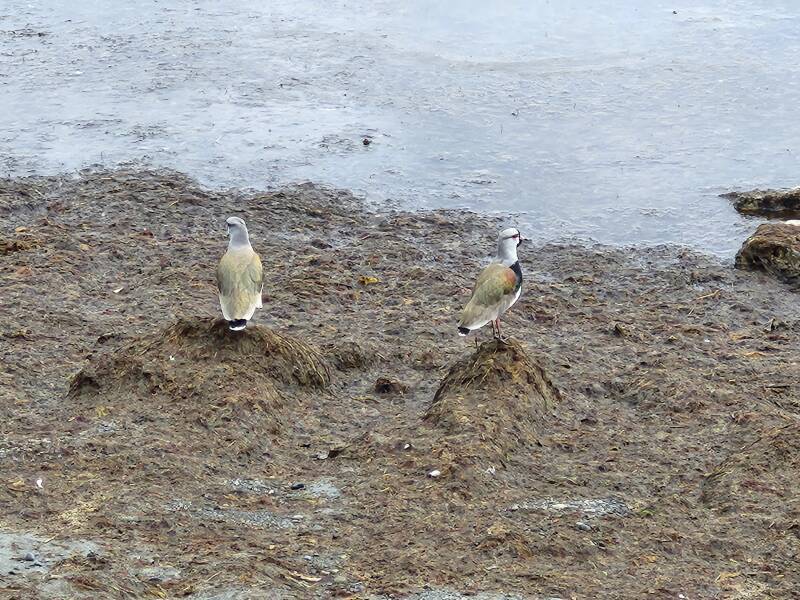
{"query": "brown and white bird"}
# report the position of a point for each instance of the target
(498, 287)
(239, 277)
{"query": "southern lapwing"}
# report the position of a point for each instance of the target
(239, 277)
(498, 287)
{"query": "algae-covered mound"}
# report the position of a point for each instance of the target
(762, 474)
(199, 371)
(493, 401)
(773, 248)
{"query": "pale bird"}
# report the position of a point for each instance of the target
(497, 289)
(239, 277)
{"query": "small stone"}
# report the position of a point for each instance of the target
(30, 557)
(583, 526)
(435, 473)
(386, 385)
(595, 389)
(366, 141)
(340, 579)
(160, 574)
(298, 486)
(297, 517)
(320, 244)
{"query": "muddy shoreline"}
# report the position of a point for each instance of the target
(666, 462)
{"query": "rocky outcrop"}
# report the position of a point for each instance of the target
(775, 249)
(776, 203)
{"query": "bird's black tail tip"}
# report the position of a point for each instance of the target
(237, 325)
(463, 331)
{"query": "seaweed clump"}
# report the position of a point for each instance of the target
(492, 403)
(198, 371)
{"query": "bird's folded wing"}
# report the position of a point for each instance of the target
(239, 278)
(255, 273)
(494, 282)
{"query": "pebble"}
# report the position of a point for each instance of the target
(298, 486)
(434, 473)
(30, 557)
(583, 526)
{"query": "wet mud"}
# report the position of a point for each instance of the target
(636, 438)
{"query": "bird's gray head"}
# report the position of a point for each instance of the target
(507, 244)
(237, 231)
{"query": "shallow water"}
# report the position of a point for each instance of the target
(616, 120)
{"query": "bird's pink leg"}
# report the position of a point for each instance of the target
(500, 335)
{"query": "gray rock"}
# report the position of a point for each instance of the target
(160, 574)
(107, 428)
(253, 486)
(251, 518)
(323, 489)
(243, 594)
(22, 554)
(443, 594)
(588, 507)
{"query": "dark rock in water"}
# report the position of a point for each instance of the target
(774, 203)
(775, 249)
(491, 403)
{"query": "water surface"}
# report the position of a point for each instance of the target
(615, 120)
